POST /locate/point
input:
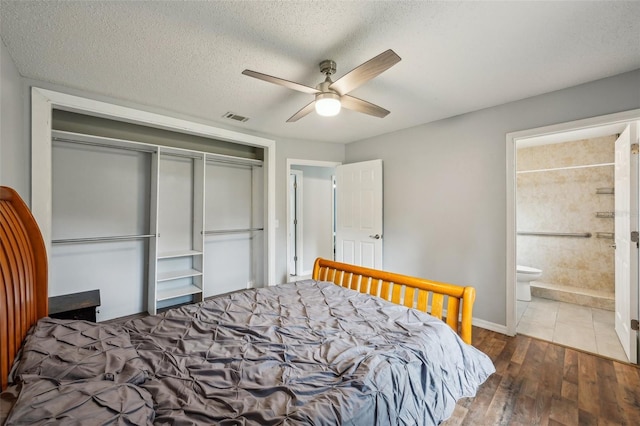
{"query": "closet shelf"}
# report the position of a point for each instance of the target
(173, 292)
(174, 275)
(179, 253)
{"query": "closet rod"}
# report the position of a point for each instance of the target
(103, 145)
(558, 234)
(232, 231)
(100, 239)
(175, 154)
(247, 164)
(221, 158)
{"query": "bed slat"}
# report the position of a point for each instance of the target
(437, 302)
(395, 293)
(409, 296)
(453, 312)
(423, 300)
(389, 286)
(374, 289)
(353, 281)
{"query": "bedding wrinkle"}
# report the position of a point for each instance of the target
(310, 353)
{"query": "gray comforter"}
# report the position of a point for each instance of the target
(303, 353)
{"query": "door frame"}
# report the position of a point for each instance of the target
(300, 162)
(298, 226)
(578, 129)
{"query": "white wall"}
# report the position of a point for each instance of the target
(14, 147)
(445, 185)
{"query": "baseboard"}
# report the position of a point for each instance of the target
(487, 325)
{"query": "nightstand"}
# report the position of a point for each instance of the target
(80, 306)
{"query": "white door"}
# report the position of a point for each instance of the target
(626, 251)
(359, 218)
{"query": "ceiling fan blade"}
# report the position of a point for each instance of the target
(359, 105)
(365, 72)
(304, 111)
(282, 82)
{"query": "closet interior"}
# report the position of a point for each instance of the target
(152, 218)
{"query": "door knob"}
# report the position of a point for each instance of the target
(613, 245)
(375, 237)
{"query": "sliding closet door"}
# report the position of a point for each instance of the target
(100, 224)
(234, 234)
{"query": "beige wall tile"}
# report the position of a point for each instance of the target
(566, 201)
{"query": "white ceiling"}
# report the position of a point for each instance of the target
(187, 57)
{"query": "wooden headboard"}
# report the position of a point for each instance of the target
(23, 276)
(409, 291)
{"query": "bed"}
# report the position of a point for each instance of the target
(350, 346)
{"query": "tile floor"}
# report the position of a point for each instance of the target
(580, 327)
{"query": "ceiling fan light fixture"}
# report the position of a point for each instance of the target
(327, 104)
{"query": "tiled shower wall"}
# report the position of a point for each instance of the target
(565, 200)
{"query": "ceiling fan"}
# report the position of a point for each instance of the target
(330, 95)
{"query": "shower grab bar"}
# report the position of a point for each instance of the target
(558, 234)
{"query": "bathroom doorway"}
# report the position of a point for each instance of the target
(561, 222)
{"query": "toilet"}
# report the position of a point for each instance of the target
(524, 276)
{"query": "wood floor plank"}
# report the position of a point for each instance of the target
(542, 407)
(532, 367)
(522, 346)
(570, 370)
(523, 410)
(587, 384)
(563, 411)
(541, 383)
(501, 408)
(478, 409)
(569, 391)
(551, 375)
(607, 385)
(587, 419)
(628, 390)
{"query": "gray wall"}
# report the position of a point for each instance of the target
(445, 185)
(445, 182)
(14, 147)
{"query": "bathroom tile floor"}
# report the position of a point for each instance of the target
(580, 327)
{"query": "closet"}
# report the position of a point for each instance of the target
(150, 225)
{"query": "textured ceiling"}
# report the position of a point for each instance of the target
(187, 56)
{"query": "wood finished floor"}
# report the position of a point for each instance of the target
(542, 383)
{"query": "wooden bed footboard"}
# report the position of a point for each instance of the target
(412, 292)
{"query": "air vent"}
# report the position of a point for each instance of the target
(236, 117)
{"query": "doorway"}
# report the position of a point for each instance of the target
(584, 129)
(310, 215)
